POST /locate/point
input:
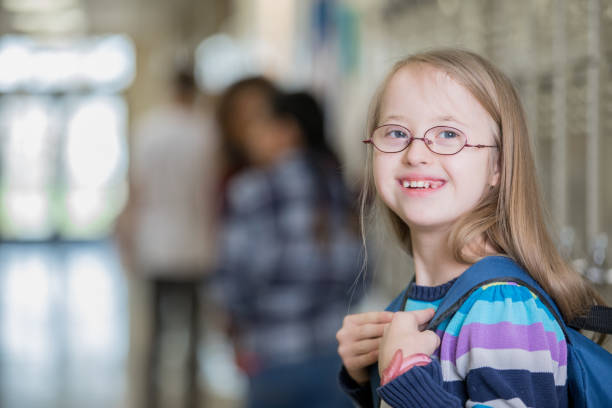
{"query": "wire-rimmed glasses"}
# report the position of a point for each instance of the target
(444, 140)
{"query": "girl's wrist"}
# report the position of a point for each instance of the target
(399, 365)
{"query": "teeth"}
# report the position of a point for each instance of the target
(419, 184)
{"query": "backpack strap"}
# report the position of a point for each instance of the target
(504, 269)
(399, 303)
(599, 319)
(487, 270)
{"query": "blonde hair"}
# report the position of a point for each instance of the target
(509, 217)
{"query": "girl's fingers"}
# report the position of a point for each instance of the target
(358, 348)
(362, 360)
(368, 317)
(351, 331)
(370, 331)
(413, 320)
(433, 341)
(423, 316)
(365, 346)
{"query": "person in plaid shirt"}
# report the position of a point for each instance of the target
(290, 253)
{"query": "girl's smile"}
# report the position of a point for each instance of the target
(419, 185)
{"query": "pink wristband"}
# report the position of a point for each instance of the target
(400, 365)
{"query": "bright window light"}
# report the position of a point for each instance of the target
(110, 63)
(85, 205)
(94, 148)
(63, 125)
(61, 67)
(102, 63)
(25, 160)
(15, 63)
(28, 212)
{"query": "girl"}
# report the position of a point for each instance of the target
(450, 161)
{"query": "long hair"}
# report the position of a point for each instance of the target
(509, 217)
(307, 114)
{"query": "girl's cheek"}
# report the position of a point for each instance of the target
(379, 180)
(380, 167)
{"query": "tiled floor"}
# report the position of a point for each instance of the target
(63, 326)
(65, 335)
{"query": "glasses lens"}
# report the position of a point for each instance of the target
(391, 138)
(445, 140)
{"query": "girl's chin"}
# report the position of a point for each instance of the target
(424, 224)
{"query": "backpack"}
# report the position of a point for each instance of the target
(589, 366)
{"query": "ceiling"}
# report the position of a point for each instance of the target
(184, 19)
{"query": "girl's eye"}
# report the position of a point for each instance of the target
(396, 133)
(448, 134)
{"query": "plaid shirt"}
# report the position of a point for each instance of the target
(286, 290)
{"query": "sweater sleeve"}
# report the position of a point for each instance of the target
(360, 394)
(501, 348)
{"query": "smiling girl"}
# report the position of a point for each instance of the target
(450, 167)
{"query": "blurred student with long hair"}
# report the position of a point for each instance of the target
(290, 252)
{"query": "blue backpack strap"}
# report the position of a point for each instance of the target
(399, 302)
(488, 270)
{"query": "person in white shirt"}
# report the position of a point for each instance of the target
(168, 228)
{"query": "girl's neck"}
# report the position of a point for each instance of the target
(434, 264)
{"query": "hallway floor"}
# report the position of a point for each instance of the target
(65, 331)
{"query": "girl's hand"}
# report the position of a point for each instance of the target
(359, 340)
(404, 332)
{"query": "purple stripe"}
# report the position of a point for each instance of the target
(504, 335)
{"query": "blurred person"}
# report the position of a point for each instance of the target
(250, 98)
(289, 253)
(167, 231)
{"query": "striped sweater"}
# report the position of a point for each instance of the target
(502, 348)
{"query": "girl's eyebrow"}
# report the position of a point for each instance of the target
(395, 117)
(445, 118)
(448, 118)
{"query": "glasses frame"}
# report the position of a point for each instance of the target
(427, 142)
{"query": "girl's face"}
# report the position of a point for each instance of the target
(420, 97)
(255, 131)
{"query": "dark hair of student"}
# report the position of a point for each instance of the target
(308, 115)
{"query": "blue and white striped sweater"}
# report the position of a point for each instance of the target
(502, 348)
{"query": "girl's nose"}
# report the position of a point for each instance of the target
(417, 153)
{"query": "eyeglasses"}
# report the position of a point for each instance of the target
(444, 140)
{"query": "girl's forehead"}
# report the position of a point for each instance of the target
(423, 91)
(427, 83)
